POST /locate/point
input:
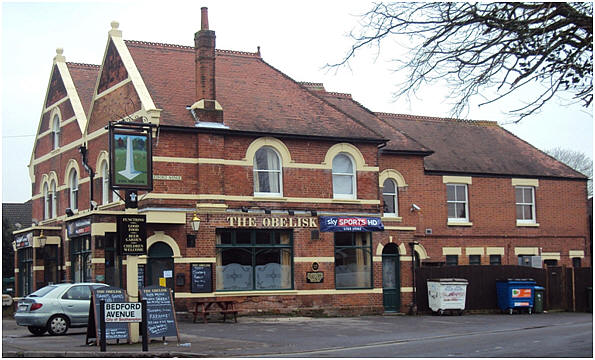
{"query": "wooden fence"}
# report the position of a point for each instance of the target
(565, 288)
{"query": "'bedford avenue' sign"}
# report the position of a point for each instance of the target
(133, 234)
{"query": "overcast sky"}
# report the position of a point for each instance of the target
(296, 37)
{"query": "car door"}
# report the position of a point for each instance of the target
(75, 303)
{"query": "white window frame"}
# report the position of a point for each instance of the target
(533, 220)
(73, 189)
(466, 202)
(395, 197)
(56, 131)
(105, 190)
(353, 176)
(278, 172)
(46, 201)
(54, 195)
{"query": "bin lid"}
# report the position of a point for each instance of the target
(449, 280)
(537, 287)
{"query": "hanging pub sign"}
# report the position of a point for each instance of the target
(79, 227)
(24, 240)
(131, 161)
(350, 223)
(132, 232)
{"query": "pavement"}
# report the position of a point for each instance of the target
(278, 336)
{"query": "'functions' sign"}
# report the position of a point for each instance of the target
(133, 234)
(350, 223)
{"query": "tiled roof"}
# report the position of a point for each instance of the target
(477, 147)
(255, 96)
(398, 141)
(18, 213)
(84, 77)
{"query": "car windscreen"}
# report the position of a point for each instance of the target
(43, 291)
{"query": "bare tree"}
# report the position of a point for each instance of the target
(476, 46)
(576, 160)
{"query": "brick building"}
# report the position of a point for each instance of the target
(284, 177)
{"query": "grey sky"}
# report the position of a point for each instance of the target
(298, 38)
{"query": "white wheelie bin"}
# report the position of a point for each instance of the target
(447, 294)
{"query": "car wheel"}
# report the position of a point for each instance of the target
(58, 325)
(37, 330)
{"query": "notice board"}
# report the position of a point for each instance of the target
(161, 318)
(201, 278)
(113, 330)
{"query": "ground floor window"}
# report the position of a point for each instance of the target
(25, 260)
(80, 255)
(353, 260)
(576, 262)
(550, 262)
(50, 264)
(254, 260)
(452, 260)
(495, 260)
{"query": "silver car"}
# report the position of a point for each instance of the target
(55, 308)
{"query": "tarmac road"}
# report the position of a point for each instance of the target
(494, 335)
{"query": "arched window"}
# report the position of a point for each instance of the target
(73, 183)
(105, 190)
(46, 200)
(390, 197)
(54, 194)
(267, 172)
(56, 131)
(344, 186)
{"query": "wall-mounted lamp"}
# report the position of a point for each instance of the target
(42, 240)
(244, 209)
(291, 212)
(314, 212)
(267, 211)
(415, 208)
(195, 222)
(69, 212)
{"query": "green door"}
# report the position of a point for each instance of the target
(391, 280)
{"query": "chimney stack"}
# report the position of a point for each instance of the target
(206, 107)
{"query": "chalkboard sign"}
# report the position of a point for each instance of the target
(201, 278)
(113, 330)
(141, 275)
(161, 319)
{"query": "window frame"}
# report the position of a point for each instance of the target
(46, 201)
(352, 175)
(279, 172)
(56, 132)
(394, 197)
(533, 220)
(73, 189)
(54, 195)
(456, 201)
(367, 251)
(475, 257)
(493, 261)
(450, 257)
(255, 248)
(105, 188)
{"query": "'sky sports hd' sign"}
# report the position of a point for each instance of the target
(350, 223)
(132, 231)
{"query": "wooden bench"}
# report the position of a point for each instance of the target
(210, 306)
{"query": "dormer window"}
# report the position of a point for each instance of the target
(267, 173)
(56, 131)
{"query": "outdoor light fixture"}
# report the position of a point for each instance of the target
(313, 212)
(69, 212)
(267, 211)
(195, 222)
(42, 240)
(244, 209)
(291, 212)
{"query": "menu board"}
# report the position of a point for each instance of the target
(161, 319)
(201, 278)
(113, 330)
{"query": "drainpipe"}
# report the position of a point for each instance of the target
(83, 151)
(413, 309)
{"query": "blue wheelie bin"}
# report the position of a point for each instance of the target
(515, 294)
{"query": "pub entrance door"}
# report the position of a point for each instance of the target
(391, 279)
(160, 265)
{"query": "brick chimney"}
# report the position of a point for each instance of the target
(206, 108)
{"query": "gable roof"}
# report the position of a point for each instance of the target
(84, 77)
(477, 147)
(255, 96)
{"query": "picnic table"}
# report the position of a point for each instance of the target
(213, 305)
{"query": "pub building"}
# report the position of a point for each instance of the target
(272, 192)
